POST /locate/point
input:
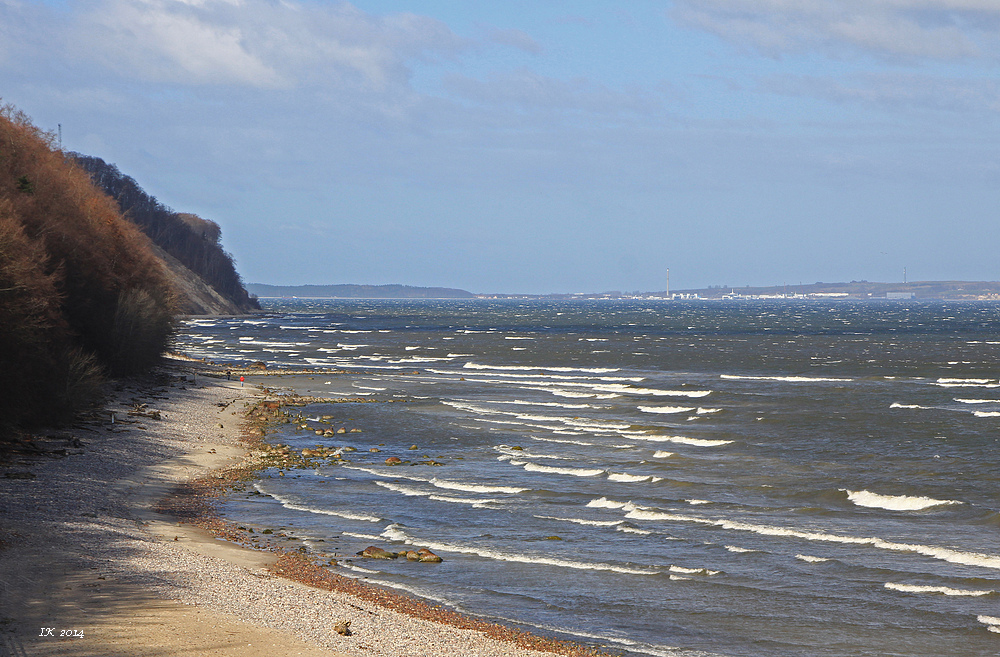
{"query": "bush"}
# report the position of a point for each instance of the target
(80, 289)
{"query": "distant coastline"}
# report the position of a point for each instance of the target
(265, 291)
(855, 290)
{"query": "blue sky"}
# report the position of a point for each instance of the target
(541, 146)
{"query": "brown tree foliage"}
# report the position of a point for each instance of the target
(80, 290)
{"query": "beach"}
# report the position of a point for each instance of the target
(88, 566)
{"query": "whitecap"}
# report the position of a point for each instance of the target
(978, 401)
(943, 590)
(986, 413)
(293, 506)
(787, 379)
(576, 472)
(665, 409)
(475, 488)
(911, 406)
(683, 440)
(583, 521)
(950, 555)
(589, 370)
(605, 503)
(632, 530)
(809, 559)
(693, 571)
(893, 502)
(626, 478)
(520, 557)
(661, 454)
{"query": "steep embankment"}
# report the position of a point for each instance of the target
(81, 291)
(204, 274)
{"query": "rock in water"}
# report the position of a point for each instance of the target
(426, 556)
(372, 552)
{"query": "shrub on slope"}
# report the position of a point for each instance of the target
(80, 290)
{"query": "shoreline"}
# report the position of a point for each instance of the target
(86, 550)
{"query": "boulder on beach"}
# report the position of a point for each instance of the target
(343, 628)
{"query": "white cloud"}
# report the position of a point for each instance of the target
(895, 91)
(515, 39)
(244, 43)
(908, 29)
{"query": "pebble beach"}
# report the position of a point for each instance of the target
(90, 564)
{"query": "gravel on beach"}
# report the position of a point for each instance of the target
(72, 524)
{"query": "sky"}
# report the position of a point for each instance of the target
(541, 147)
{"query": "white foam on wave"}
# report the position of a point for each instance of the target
(571, 394)
(564, 441)
(605, 503)
(684, 440)
(632, 530)
(786, 379)
(521, 402)
(972, 381)
(977, 401)
(992, 623)
(911, 406)
(589, 370)
(739, 550)
(521, 453)
(358, 569)
(893, 502)
(986, 413)
(294, 506)
(693, 571)
(583, 521)
(809, 559)
(942, 590)
(708, 411)
(666, 409)
(978, 559)
(475, 488)
(525, 558)
(626, 478)
(416, 492)
(576, 472)
(698, 502)
(367, 537)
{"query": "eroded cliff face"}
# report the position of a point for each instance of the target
(193, 295)
(204, 274)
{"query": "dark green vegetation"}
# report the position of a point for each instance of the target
(357, 291)
(187, 237)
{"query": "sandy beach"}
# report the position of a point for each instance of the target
(88, 566)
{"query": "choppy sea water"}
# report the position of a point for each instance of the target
(761, 478)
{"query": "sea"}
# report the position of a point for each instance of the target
(681, 478)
